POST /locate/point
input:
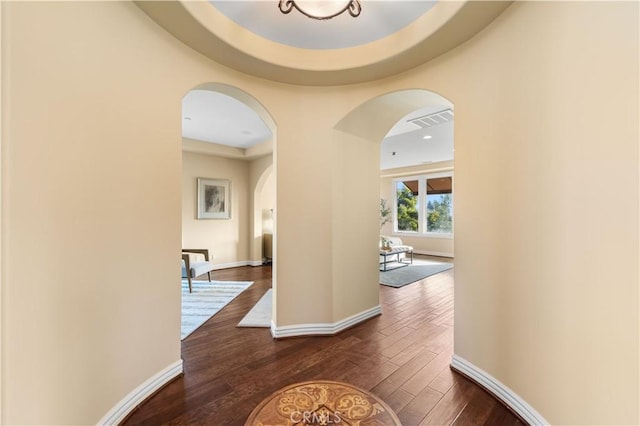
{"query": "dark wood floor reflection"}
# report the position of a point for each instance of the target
(402, 356)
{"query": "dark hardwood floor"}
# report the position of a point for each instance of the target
(403, 356)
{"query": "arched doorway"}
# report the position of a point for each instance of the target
(359, 136)
(263, 222)
(414, 128)
(227, 137)
(344, 256)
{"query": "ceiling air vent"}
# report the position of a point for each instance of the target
(432, 119)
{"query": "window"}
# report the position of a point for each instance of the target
(407, 205)
(440, 205)
(424, 204)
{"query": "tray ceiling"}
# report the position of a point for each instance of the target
(387, 38)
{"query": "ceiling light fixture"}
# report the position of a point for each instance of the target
(321, 9)
(427, 137)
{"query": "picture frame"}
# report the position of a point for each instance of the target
(214, 199)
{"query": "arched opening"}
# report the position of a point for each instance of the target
(227, 145)
(414, 128)
(263, 217)
(417, 180)
(397, 124)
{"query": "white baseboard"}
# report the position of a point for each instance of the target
(323, 329)
(434, 253)
(499, 390)
(120, 411)
(236, 264)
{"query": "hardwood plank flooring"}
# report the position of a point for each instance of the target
(403, 356)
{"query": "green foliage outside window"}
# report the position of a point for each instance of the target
(407, 210)
(439, 214)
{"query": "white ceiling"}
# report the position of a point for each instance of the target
(410, 148)
(378, 19)
(217, 118)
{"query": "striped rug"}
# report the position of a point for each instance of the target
(206, 300)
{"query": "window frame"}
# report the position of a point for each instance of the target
(422, 205)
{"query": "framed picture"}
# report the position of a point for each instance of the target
(214, 199)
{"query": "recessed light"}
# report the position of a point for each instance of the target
(427, 137)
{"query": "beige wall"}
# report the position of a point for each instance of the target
(91, 214)
(546, 269)
(262, 188)
(91, 195)
(303, 241)
(436, 246)
(546, 303)
(267, 203)
(354, 252)
(226, 239)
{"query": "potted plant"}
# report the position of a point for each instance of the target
(385, 217)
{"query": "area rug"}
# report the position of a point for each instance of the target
(421, 269)
(322, 403)
(260, 314)
(206, 299)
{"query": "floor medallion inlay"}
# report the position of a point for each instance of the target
(322, 403)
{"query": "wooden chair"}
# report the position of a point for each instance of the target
(191, 270)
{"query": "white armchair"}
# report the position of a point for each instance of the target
(195, 262)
